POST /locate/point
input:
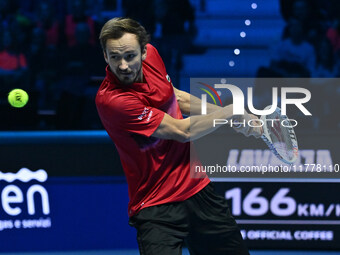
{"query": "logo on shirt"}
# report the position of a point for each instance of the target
(168, 78)
(149, 117)
(144, 113)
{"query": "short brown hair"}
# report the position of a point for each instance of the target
(115, 28)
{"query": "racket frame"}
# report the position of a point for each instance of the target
(266, 137)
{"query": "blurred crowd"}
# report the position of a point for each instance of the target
(310, 40)
(310, 48)
(50, 48)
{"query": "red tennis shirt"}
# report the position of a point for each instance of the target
(157, 170)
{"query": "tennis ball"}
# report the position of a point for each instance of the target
(17, 98)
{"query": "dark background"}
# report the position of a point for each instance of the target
(50, 48)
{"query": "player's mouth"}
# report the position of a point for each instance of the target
(126, 74)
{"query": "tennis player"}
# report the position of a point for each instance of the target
(142, 113)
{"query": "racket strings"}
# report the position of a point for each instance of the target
(280, 137)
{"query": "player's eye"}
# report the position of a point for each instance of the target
(114, 57)
(130, 56)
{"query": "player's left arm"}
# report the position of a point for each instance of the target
(191, 105)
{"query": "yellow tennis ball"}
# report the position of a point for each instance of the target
(18, 98)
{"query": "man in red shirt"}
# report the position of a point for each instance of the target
(142, 113)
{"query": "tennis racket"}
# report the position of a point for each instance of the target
(279, 136)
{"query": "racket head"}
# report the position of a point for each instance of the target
(279, 137)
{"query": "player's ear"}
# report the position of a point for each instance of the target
(144, 53)
(105, 57)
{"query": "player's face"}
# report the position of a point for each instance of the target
(124, 56)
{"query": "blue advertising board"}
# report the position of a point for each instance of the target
(63, 191)
(56, 213)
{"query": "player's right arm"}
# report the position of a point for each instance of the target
(191, 105)
(194, 127)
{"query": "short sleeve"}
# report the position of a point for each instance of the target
(126, 112)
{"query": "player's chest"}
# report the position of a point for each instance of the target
(157, 91)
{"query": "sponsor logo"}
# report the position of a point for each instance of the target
(144, 113)
(18, 201)
(302, 96)
(238, 99)
(168, 78)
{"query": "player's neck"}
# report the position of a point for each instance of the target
(140, 78)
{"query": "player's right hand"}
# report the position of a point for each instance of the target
(254, 129)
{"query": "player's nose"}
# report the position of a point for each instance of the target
(123, 65)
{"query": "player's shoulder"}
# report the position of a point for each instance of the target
(153, 58)
(152, 52)
(151, 49)
(113, 97)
